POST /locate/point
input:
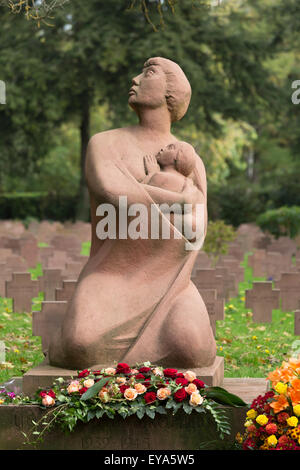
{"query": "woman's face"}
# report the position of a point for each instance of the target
(149, 88)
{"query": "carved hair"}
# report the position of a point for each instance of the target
(178, 87)
(185, 159)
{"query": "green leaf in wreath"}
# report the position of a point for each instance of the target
(150, 413)
(221, 396)
(94, 390)
(140, 413)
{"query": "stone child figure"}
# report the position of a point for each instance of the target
(170, 167)
(134, 300)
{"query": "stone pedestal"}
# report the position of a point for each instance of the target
(44, 375)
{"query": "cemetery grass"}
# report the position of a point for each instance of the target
(249, 349)
(253, 349)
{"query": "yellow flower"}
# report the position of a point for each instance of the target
(296, 410)
(220, 348)
(248, 423)
(272, 441)
(267, 351)
(258, 347)
(262, 420)
(281, 388)
(251, 414)
(292, 421)
(1, 401)
(254, 337)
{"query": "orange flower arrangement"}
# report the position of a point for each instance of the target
(273, 421)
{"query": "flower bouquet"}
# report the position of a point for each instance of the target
(273, 419)
(145, 390)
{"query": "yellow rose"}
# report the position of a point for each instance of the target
(196, 399)
(130, 394)
(157, 371)
(140, 388)
(296, 410)
(104, 395)
(262, 420)
(110, 371)
(1, 402)
(74, 386)
(292, 421)
(251, 414)
(281, 388)
(272, 440)
(189, 375)
(120, 380)
(48, 401)
(88, 383)
(163, 393)
(191, 388)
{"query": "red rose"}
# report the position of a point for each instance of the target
(145, 370)
(83, 390)
(123, 388)
(180, 375)
(140, 377)
(123, 368)
(172, 373)
(51, 393)
(43, 394)
(198, 383)
(183, 382)
(96, 372)
(83, 373)
(150, 397)
(180, 395)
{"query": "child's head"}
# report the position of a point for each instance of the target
(180, 154)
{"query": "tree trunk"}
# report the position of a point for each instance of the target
(83, 206)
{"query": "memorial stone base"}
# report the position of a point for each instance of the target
(43, 375)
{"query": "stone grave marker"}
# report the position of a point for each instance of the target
(5, 275)
(276, 263)
(68, 243)
(46, 322)
(28, 249)
(262, 299)
(234, 267)
(66, 291)
(203, 261)
(230, 282)
(21, 289)
(297, 323)
(235, 251)
(49, 282)
(289, 286)
(5, 253)
(207, 279)
(215, 307)
(16, 263)
(258, 263)
(44, 254)
(58, 260)
(72, 271)
(284, 245)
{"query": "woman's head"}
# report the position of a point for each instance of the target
(162, 81)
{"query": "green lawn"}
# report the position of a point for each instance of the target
(249, 349)
(252, 349)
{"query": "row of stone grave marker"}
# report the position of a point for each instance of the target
(216, 282)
